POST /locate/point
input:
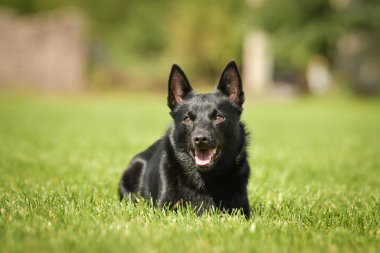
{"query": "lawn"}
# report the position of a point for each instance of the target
(315, 181)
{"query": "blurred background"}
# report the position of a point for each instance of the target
(284, 48)
(83, 89)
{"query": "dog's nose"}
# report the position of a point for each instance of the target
(201, 141)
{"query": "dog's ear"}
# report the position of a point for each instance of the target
(230, 84)
(179, 87)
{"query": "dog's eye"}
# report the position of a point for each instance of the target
(219, 118)
(187, 121)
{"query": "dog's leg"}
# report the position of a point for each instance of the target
(130, 181)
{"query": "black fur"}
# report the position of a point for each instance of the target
(202, 158)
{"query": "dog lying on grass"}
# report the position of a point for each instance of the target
(202, 158)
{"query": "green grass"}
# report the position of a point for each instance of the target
(315, 182)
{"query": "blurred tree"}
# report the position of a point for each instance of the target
(148, 35)
(301, 29)
(202, 35)
(206, 34)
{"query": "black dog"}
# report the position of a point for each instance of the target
(202, 158)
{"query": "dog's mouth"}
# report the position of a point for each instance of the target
(204, 157)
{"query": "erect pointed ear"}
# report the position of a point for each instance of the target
(230, 84)
(179, 87)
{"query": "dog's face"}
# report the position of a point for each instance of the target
(205, 125)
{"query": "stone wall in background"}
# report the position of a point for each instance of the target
(43, 52)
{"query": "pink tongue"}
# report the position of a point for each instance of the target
(203, 157)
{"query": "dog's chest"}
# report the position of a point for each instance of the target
(197, 199)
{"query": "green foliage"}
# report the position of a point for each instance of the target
(314, 185)
(305, 28)
(198, 33)
(206, 33)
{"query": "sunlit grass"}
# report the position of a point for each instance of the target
(315, 182)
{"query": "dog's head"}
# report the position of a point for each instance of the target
(206, 126)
